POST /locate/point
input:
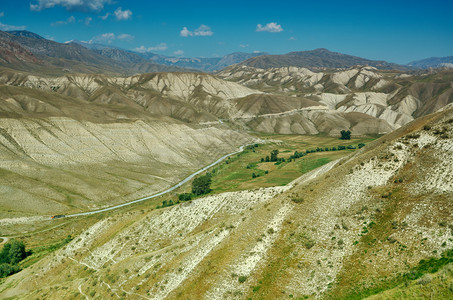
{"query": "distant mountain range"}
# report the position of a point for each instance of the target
(433, 62)
(208, 64)
(28, 51)
(318, 59)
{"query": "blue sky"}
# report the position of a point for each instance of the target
(396, 31)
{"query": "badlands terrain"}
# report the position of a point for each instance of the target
(80, 142)
(356, 227)
(365, 221)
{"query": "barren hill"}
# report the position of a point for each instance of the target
(86, 141)
(383, 100)
(349, 229)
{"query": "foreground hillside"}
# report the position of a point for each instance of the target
(351, 228)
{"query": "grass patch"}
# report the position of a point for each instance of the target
(428, 266)
(39, 252)
(247, 170)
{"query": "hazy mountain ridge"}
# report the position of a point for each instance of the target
(61, 58)
(433, 62)
(318, 59)
(208, 64)
(11, 53)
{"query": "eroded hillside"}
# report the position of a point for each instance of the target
(341, 231)
(82, 142)
(363, 99)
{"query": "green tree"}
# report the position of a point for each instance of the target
(345, 135)
(267, 158)
(13, 252)
(7, 269)
(201, 185)
(274, 154)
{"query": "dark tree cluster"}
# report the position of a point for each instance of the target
(345, 135)
(272, 158)
(202, 185)
(12, 253)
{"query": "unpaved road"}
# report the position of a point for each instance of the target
(158, 194)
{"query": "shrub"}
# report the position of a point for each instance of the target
(185, 197)
(361, 145)
(297, 199)
(242, 279)
(309, 244)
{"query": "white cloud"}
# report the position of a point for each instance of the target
(83, 5)
(243, 46)
(121, 14)
(185, 32)
(160, 47)
(270, 27)
(141, 49)
(203, 30)
(103, 38)
(88, 20)
(125, 37)
(256, 51)
(71, 19)
(6, 27)
(292, 38)
(2, 14)
(105, 17)
(178, 52)
(109, 37)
